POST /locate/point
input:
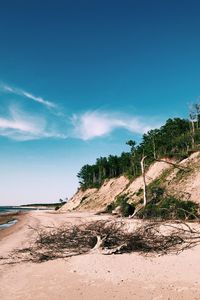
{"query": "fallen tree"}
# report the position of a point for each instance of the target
(113, 237)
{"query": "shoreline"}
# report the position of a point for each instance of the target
(8, 217)
(5, 218)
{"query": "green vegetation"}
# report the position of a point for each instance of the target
(159, 207)
(60, 204)
(176, 138)
(121, 202)
(170, 208)
(166, 207)
(47, 205)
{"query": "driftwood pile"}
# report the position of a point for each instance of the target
(113, 237)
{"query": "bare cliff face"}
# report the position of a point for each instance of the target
(186, 184)
(183, 183)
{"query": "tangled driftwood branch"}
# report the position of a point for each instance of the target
(113, 237)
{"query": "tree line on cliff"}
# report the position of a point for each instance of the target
(176, 138)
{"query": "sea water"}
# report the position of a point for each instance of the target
(6, 209)
(13, 209)
(10, 209)
(8, 224)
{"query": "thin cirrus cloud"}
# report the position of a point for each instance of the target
(20, 92)
(20, 126)
(90, 125)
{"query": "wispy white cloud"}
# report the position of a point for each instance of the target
(19, 125)
(96, 124)
(20, 92)
(22, 127)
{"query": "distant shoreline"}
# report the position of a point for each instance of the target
(28, 207)
(4, 209)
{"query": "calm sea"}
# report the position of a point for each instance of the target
(6, 209)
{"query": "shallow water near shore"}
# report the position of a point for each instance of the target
(9, 214)
(8, 224)
(9, 218)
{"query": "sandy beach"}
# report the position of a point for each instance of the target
(93, 276)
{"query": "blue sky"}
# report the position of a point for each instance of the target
(80, 78)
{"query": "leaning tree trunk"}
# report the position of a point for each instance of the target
(193, 134)
(144, 181)
(144, 188)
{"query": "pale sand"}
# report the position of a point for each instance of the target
(94, 276)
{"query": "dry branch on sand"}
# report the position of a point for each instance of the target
(113, 237)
